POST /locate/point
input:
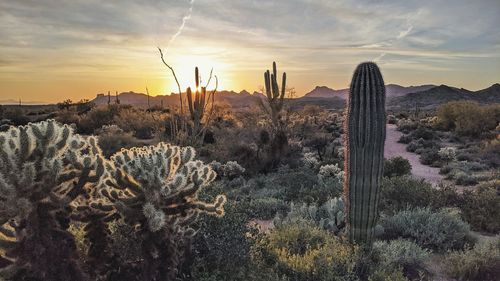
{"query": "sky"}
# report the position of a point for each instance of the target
(56, 50)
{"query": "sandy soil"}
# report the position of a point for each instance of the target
(393, 148)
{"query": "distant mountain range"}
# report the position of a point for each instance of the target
(426, 96)
(442, 94)
(392, 90)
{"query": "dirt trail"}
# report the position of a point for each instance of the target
(393, 148)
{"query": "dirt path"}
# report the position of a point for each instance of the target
(393, 148)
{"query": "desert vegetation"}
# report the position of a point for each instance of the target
(203, 191)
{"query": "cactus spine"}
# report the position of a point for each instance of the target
(365, 136)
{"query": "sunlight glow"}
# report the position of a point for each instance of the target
(184, 66)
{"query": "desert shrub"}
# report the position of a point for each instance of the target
(403, 254)
(481, 208)
(490, 154)
(96, 118)
(406, 139)
(397, 166)
(141, 123)
(304, 252)
(222, 247)
(329, 216)
(16, 116)
(266, 208)
(423, 133)
(388, 274)
(429, 156)
(468, 118)
(479, 263)
(445, 169)
(391, 119)
(400, 193)
(461, 178)
(406, 125)
(111, 139)
(67, 117)
(436, 230)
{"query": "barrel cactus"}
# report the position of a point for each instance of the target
(364, 154)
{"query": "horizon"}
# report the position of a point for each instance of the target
(56, 51)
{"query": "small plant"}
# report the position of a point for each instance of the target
(401, 254)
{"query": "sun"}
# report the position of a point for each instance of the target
(184, 66)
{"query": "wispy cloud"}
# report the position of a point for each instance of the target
(92, 45)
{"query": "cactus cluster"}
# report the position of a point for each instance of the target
(50, 177)
(364, 154)
(43, 168)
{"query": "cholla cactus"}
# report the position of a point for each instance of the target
(43, 168)
(232, 169)
(447, 153)
(330, 172)
(155, 189)
(310, 160)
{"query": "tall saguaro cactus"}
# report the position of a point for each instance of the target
(274, 95)
(365, 128)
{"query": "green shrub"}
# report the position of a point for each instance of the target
(388, 274)
(111, 139)
(481, 208)
(222, 247)
(403, 254)
(480, 263)
(462, 178)
(406, 139)
(266, 208)
(397, 166)
(440, 231)
(400, 193)
(429, 156)
(304, 252)
(468, 118)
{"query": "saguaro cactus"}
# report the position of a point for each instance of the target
(275, 97)
(364, 156)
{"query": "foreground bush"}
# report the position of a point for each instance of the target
(305, 252)
(397, 166)
(401, 254)
(480, 263)
(435, 230)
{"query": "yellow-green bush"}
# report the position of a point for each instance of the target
(468, 118)
(480, 263)
(305, 252)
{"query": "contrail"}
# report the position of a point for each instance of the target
(184, 20)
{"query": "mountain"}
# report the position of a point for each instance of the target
(325, 92)
(397, 97)
(231, 98)
(392, 90)
(438, 95)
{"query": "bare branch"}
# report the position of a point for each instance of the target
(175, 77)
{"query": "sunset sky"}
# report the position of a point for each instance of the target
(54, 50)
